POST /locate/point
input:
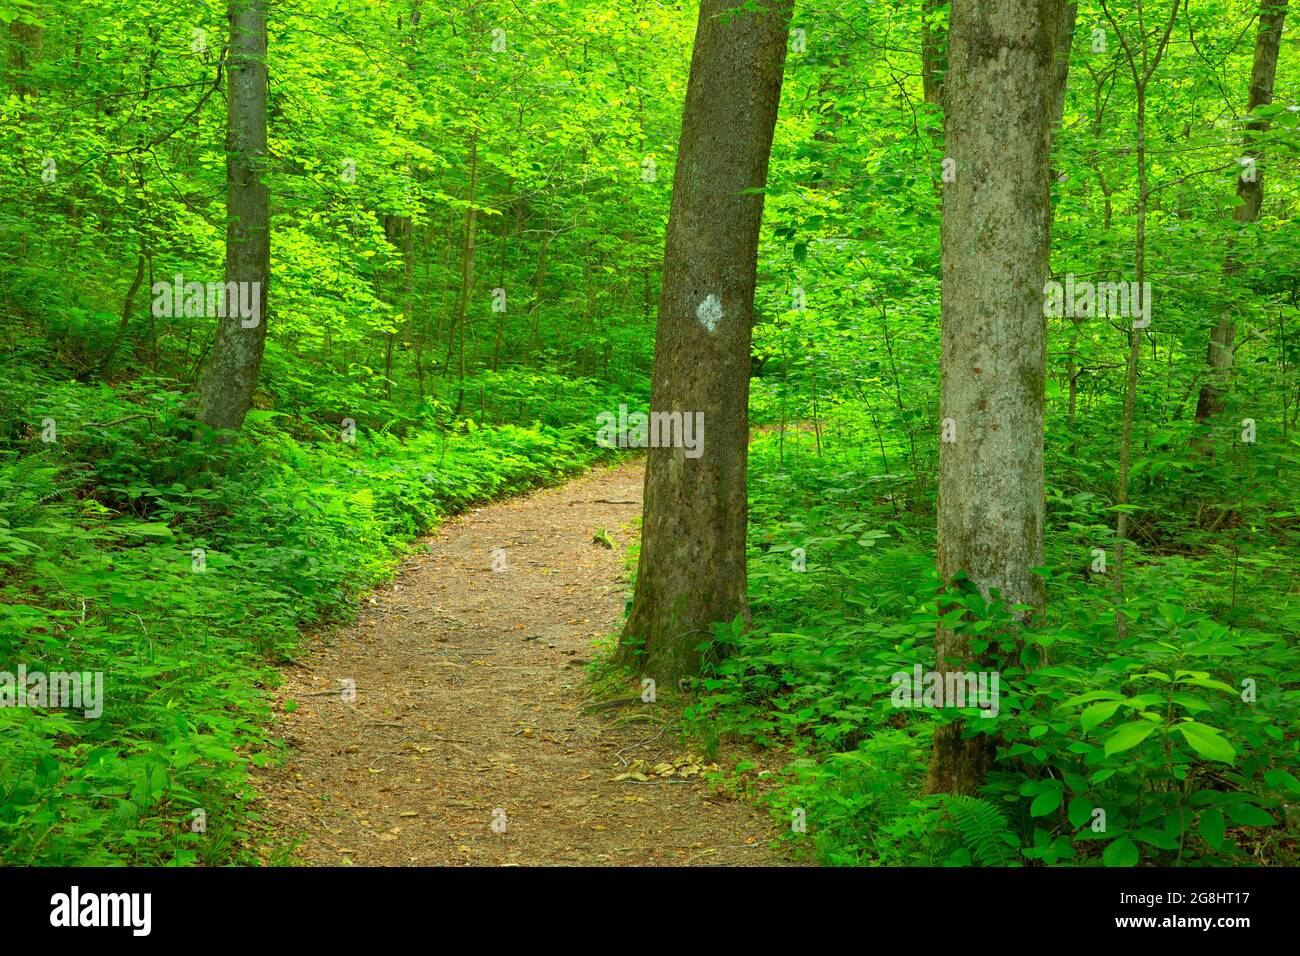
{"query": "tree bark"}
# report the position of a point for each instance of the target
(691, 572)
(1272, 13)
(230, 378)
(996, 236)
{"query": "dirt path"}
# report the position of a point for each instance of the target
(468, 691)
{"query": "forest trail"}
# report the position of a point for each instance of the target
(469, 692)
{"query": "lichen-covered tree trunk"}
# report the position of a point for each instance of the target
(999, 101)
(692, 565)
(1250, 190)
(230, 378)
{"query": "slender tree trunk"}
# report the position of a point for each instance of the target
(1250, 189)
(535, 306)
(230, 378)
(501, 316)
(934, 64)
(466, 270)
(1142, 69)
(398, 230)
(447, 246)
(145, 256)
(127, 307)
(24, 52)
(1063, 44)
(691, 572)
(999, 102)
(1131, 371)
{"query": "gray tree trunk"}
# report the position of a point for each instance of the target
(1272, 13)
(692, 565)
(999, 104)
(230, 378)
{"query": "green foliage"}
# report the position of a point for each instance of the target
(951, 830)
(847, 798)
(1178, 734)
(97, 538)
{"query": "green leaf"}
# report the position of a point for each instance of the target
(1121, 852)
(1156, 838)
(1249, 815)
(1283, 778)
(151, 529)
(1210, 827)
(1094, 715)
(1079, 811)
(1045, 803)
(1208, 682)
(1091, 695)
(1127, 736)
(1206, 741)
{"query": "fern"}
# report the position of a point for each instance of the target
(983, 830)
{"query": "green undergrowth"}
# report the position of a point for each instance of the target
(1176, 744)
(120, 553)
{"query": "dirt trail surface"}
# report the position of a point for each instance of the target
(469, 685)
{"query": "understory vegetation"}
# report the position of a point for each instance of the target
(1087, 721)
(186, 589)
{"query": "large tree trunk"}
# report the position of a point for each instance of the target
(226, 393)
(1250, 189)
(692, 565)
(996, 226)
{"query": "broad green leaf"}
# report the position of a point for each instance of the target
(1046, 802)
(1206, 741)
(1079, 811)
(1098, 712)
(1121, 852)
(1249, 815)
(1127, 736)
(1210, 827)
